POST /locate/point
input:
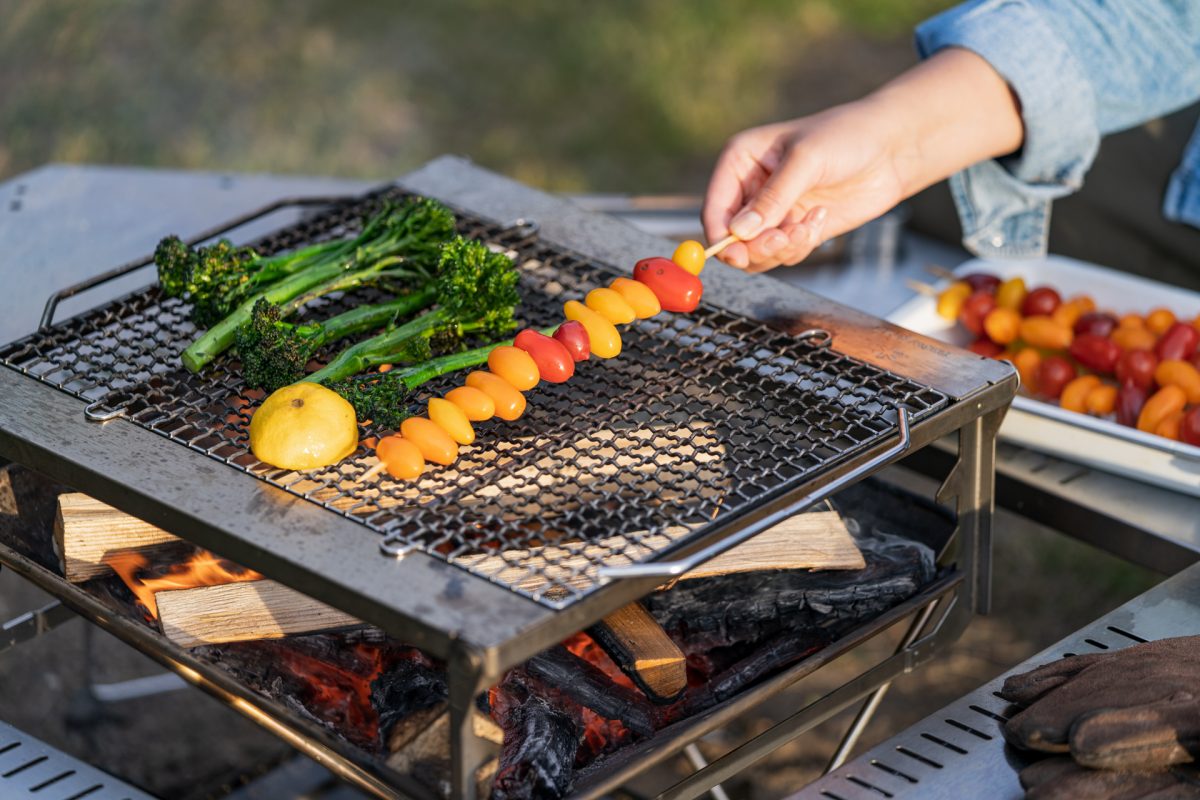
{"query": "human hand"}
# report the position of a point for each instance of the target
(785, 188)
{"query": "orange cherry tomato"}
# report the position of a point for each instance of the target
(515, 366)
(1085, 302)
(1132, 321)
(690, 256)
(1196, 322)
(1171, 426)
(1162, 404)
(602, 334)
(452, 419)
(1159, 320)
(1042, 331)
(1027, 362)
(610, 305)
(509, 404)
(1181, 374)
(1001, 325)
(1011, 293)
(475, 403)
(1133, 337)
(1068, 313)
(1074, 394)
(950, 301)
(639, 296)
(1101, 400)
(433, 442)
(401, 457)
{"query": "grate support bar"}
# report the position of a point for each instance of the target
(34, 623)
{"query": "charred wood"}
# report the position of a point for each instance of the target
(540, 743)
(588, 686)
(710, 613)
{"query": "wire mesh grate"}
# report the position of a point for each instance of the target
(701, 418)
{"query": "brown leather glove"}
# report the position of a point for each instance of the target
(1060, 778)
(1134, 709)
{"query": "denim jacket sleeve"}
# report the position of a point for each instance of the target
(1081, 69)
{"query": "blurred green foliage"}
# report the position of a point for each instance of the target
(611, 96)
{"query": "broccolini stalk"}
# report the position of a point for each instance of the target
(382, 398)
(476, 289)
(414, 232)
(275, 353)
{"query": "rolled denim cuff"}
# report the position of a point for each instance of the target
(1004, 204)
(1181, 203)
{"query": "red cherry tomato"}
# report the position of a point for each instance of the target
(553, 359)
(1095, 352)
(573, 336)
(1095, 323)
(1137, 367)
(1054, 373)
(982, 282)
(1189, 430)
(1040, 301)
(1178, 343)
(1130, 400)
(985, 347)
(675, 287)
(974, 310)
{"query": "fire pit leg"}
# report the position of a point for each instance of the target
(468, 752)
(863, 718)
(33, 623)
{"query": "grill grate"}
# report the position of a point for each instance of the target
(700, 418)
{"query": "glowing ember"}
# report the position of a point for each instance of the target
(600, 735)
(202, 569)
(339, 695)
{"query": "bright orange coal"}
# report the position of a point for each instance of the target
(341, 695)
(586, 648)
(202, 569)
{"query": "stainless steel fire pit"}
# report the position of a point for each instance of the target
(707, 430)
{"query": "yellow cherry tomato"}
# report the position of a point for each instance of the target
(951, 300)
(610, 305)
(402, 458)
(433, 442)
(451, 419)
(475, 403)
(606, 342)
(641, 298)
(690, 256)
(515, 366)
(509, 404)
(1011, 293)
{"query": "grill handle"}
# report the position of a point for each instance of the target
(133, 266)
(672, 569)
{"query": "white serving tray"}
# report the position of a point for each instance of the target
(1097, 442)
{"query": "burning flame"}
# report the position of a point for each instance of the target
(202, 569)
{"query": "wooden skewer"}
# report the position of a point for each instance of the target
(921, 288)
(940, 272)
(721, 245)
(372, 472)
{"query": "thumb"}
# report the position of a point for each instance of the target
(795, 175)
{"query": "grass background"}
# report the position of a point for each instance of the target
(616, 96)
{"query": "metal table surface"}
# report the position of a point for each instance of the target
(960, 752)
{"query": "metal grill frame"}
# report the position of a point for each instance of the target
(480, 629)
(772, 411)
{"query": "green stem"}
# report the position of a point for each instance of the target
(345, 282)
(377, 350)
(365, 318)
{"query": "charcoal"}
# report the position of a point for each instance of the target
(588, 686)
(412, 684)
(708, 613)
(540, 741)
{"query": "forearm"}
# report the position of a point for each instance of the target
(945, 114)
